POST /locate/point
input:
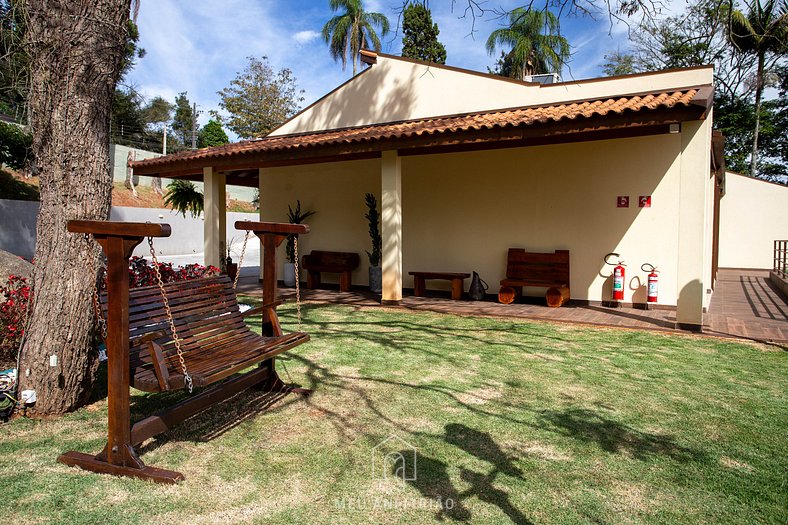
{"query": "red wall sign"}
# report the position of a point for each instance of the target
(622, 201)
(644, 201)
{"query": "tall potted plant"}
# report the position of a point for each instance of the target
(294, 216)
(373, 218)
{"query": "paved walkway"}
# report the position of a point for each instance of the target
(744, 306)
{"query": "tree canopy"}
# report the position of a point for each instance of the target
(212, 134)
(353, 30)
(259, 99)
(534, 41)
(420, 35)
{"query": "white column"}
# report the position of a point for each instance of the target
(391, 231)
(695, 166)
(215, 239)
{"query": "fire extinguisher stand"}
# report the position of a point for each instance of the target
(653, 284)
(619, 276)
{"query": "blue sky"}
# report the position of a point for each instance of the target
(198, 46)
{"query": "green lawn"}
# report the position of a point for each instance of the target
(513, 422)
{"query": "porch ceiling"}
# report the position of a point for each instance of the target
(634, 115)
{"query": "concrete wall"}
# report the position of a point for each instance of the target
(462, 211)
(119, 155)
(753, 214)
(395, 89)
(18, 231)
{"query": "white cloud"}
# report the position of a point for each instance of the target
(304, 37)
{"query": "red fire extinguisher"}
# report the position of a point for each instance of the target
(653, 281)
(619, 274)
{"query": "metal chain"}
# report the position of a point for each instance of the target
(96, 303)
(187, 379)
(297, 283)
(240, 261)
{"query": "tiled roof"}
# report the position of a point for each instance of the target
(514, 117)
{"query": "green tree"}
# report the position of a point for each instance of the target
(183, 120)
(128, 123)
(353, 30)
(259, 99)
(535, 43)
(420, 35)
(212, 134)
(763, 33)
(618, 63)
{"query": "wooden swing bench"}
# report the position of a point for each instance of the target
(214, 344)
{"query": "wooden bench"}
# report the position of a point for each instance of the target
(549, 270)
(216, 345)
(457, 282)
(331, 262)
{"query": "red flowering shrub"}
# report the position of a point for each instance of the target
(15, 295)
(141, 272)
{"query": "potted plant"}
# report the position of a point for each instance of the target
(294, 216)
(230, 267)
(375, 272)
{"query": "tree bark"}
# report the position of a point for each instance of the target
(75, 50)
(130, 174)
(155, 183)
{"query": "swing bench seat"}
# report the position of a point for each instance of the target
(215, 340)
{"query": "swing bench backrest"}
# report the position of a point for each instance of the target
(215, 340)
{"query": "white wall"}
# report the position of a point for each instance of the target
(18, 231)
(753, 214)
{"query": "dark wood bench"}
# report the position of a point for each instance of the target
(331, 262)
(548, 270)
(457, 282)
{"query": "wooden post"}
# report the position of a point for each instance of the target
(271, 235)
(118, 239)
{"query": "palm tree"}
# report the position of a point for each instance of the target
(762, 31)
(536, 45)
(353, 30)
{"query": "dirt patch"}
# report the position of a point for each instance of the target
(481, 396)
(730, 463)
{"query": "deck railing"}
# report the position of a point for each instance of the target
(781, 258)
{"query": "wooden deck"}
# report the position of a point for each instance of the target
(744, 306)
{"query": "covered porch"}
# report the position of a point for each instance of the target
(443, 160)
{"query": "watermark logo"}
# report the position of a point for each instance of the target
(394, 458)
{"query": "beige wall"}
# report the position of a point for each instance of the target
(336, 192)
(395, 89)
(461, 212)
(753, 214)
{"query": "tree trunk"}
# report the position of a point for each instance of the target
(75, 50)
(155, 183)
(758, 94)
(130, 174)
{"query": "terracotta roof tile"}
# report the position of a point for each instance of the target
(513, 117)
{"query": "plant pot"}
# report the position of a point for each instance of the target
(232, 270)
(375, 279)
(288, 276)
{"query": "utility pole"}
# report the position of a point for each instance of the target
(194, 126)
(164, 140)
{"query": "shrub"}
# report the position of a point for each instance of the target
(15, 146)
(15, 295)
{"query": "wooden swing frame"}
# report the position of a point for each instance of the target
(118, 240)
